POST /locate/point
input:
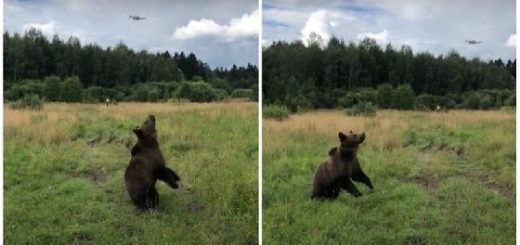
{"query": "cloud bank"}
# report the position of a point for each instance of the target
(246, 26)
(220, 33)
(436, 26)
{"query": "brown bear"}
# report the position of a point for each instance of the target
(340, 167)
(146, 166)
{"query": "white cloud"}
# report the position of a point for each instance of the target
(47, 28)
(198, 28)
(511, 41)
(243, 27)
(381, 37)
(319, 24)
(247, 26)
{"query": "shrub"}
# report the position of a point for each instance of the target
(426, 102)
(348, 100)
(52, 90)
(140, 94)
(28, 101)
(19, 89)
(510, 101)
(403, 97)
(220, 93)
(153, 94)
(277, 112)
(472, 101)
(196, 92)
(384, 95)
(242, 93)
(366, 109)
(352, 98)
(71, 90)
(485, 102)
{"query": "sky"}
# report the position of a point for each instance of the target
(436, 26)
(220, 33)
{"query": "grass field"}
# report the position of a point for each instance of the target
(63, 174)
(439, 178)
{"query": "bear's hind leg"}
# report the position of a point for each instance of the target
(334, 192)
(318, 194)
(139, 199)
(152, 198)
(167, 175)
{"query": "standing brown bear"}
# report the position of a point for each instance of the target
(341, 166)
(146, 166)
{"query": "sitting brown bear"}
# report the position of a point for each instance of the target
(146, 166)
(341, 166)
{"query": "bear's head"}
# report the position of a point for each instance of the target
(146, 131)
(350, 143)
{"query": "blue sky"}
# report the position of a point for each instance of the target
(436, 26)
(221, 33)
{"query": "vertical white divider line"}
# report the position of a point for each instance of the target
(517, 133)
(260, 218)
(2, 129)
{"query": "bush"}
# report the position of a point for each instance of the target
(28, 101)
(472, 101)
(352, 98)
(52, 90)
(403, 97)
(220, 93)
(276, 112)
(384, 95)
(510, 101)
(242, 93)
(485, 102)
(426, 102)
(71, 90)
(348, 100)
(366, 109)
(140, 94)
(19, 89)
(196, 92)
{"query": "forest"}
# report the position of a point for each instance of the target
(345, 75)
(59, 70)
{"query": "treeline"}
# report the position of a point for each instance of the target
(343, 74)
(34, 64)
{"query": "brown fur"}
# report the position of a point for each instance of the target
(340, 167)
(146, 166)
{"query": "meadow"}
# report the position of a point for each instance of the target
(64, 165)
(439, 178)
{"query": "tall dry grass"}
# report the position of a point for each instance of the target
(384, 130)
(50, 124)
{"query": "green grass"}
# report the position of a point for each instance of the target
(64, 166)
(425, 192)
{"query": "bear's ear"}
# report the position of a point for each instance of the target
(361, 138)
(342, 136)
(138, 132)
